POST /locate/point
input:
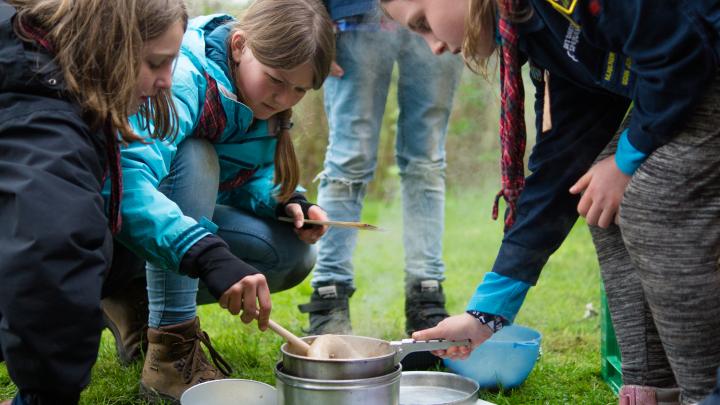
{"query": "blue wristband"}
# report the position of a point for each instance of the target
(627, 157)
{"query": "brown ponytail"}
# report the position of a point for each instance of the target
(287, 168)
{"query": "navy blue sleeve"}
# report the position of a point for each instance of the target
(345, 8)
(583, 122)
(672, 55)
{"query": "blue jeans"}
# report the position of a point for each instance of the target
(270, 246)
(355, 104)
(714, 397)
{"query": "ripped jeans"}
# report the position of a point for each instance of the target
(354, 105)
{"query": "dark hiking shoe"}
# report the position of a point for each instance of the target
(329, 310)
(424, 305)
(424, 308)
(175, 361)
(126, 315)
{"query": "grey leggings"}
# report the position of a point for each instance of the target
(660, 266)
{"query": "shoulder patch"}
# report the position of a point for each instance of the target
(564, 6)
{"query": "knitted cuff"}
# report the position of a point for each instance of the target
(494, 322)
(296, 199)
(210, 259)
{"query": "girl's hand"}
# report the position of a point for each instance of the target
(312, 234)
(602, 187)
(458, 327)
(245, 295)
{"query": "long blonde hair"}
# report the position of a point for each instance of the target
(98, 46)
(480, 18)
(284, 34)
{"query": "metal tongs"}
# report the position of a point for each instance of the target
(406, 346)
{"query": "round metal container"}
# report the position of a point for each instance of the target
(384, 389)
(230, 392)
(437, 388)
(380, 360)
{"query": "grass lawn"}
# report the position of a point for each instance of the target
(568, 371)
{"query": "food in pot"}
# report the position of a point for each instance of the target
(332, 347)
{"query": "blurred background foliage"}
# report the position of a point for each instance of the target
(472, 141)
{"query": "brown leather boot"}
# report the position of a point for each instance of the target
(642, 395)
(126, 315)
(175, 361)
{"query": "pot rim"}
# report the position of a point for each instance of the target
(281, 372)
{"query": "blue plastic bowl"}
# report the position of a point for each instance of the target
(503, 361)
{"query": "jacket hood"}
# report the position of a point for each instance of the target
(216, 42)
(24, 67)
(205, 43)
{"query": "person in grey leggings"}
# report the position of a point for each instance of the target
(660, 265)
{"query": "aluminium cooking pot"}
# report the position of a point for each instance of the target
(379, 357)
(380, 390)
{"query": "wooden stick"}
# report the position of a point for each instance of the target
(289, 337)
(342, 224)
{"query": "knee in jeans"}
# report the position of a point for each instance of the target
(202, 152)
(294, 271)
(428, 169)
(342, 186)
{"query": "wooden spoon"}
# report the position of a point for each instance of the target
(299, 345)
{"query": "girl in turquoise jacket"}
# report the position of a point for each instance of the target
(205, 204)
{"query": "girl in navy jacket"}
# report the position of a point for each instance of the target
(657, 179)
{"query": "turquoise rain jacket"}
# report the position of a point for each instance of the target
(153, 226)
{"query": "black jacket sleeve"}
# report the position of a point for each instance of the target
(55, 244)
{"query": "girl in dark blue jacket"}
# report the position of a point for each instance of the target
(658, 180)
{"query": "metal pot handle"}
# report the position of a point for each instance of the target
(406, 346)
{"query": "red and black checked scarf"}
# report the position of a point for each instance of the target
(512, 117)
(212, 120)
(112, 149)
(211, 125)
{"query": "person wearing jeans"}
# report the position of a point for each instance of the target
(368, 48)
(266, 244)
(231, 161)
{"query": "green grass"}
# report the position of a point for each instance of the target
(568, 371)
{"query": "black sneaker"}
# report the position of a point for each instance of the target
(329, 310)
(424, 305)
(424, 308)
